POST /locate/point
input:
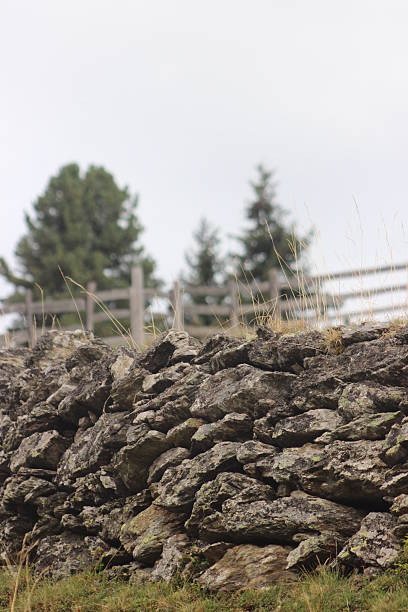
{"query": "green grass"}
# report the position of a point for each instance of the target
(319, 592)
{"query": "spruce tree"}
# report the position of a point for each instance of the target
(267, 242)
(85, 225)
(205, 265)
(204, 261)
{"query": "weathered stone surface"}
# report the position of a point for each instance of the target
(374, 544)
(359, 399)
(94, 447)
(145, 535)
(234, 426)
(127, 389)
(225, 486)
(172, 407)
(281, 352)
(366, 427)
(172, 347)
(400, 505)
(172, 558)
(214, 346)
(61, 555)
(91, 393)
(242, 520)
(170, 458)
(159, 382)
(179, 485)
(248, 567)
(180, 435)
(396, 443)
(40, 450)
(314, 550)
(20, 490)
(243, 389)
(57, 346)
(107, 520)
(350, 472)
(133, 460)
(295, 431)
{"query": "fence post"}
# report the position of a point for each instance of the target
(136, 299)
(178, 307)
(234, 294)
(274, 293)
(90, 306)
(29, 317)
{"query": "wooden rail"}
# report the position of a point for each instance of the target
(228, 305)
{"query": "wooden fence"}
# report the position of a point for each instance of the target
(280, 298)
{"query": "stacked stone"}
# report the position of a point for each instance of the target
(233, 463)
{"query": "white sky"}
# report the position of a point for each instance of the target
(180, 99)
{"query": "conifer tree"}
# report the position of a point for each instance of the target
(85, 225)
(205, 265)
(204, 261)
(267, 242)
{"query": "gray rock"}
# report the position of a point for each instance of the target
(243, 520)
(180, 435)
(241, 390)
(94, 447)
(234, 427)
(225, 486)
(40, 450)
(179, 485)
(170, 348)
(145, 535)
(314, 550)
(172, 558)
(400, 505)
(396, 444)
(133, 460)
(127, 389)
(367, 427)
(170, 458)
(348, 472)
(297, 430)
(360, 399)
(159, 382)
(248, 567)
(58, 556)
(282, 352)
(56, 346)
(92, 391)
(374, 544)
(20, 491)
(172, 407)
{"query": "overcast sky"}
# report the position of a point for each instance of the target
(180, 99)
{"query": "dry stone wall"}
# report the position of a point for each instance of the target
(232, 463)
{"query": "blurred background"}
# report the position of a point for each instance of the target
(217, 127)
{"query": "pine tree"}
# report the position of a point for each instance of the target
(87, 227)
(267, 242)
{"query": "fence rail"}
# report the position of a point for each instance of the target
(303, 297)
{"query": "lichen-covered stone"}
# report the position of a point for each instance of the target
(145, 535)
(248, 567)
(179, 485)
(297, 430)
(374, 544)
